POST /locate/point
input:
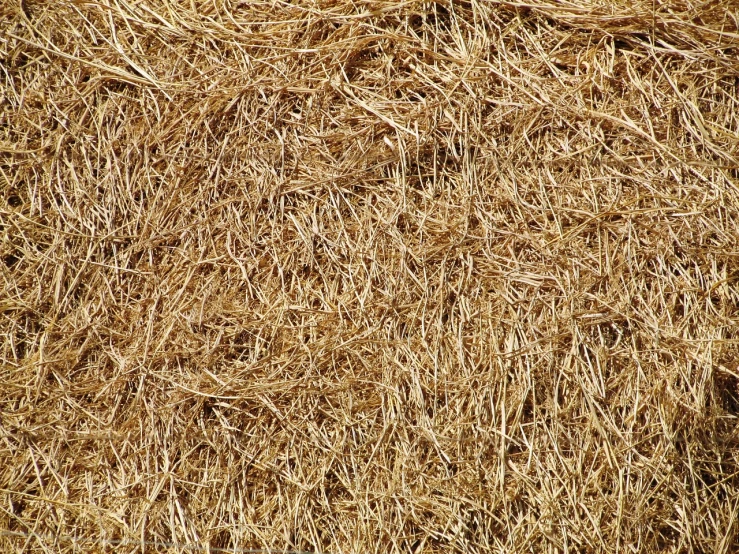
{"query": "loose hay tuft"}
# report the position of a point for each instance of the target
(369, 277)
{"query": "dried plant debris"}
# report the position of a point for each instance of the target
(368, 276)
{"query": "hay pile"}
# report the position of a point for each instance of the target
(369, 276)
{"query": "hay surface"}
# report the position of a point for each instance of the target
(369, 277)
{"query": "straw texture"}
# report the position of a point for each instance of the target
(369, 276)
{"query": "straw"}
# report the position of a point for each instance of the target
(369, 276)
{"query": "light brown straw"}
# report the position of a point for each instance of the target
(369, 276)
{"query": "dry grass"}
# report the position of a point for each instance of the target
(369, 276)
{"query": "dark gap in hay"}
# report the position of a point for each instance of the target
(12, 259)
(14, 200)
(439, 17)
(727, 388)
(17, 514)
(416, 22)
(665, 534)
(707, 479)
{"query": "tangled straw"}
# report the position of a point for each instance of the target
(371, 276)
(142, 544)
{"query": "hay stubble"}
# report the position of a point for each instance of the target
(369, 276)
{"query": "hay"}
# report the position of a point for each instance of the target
(369, 277)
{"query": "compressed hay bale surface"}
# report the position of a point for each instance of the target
(369, 276)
